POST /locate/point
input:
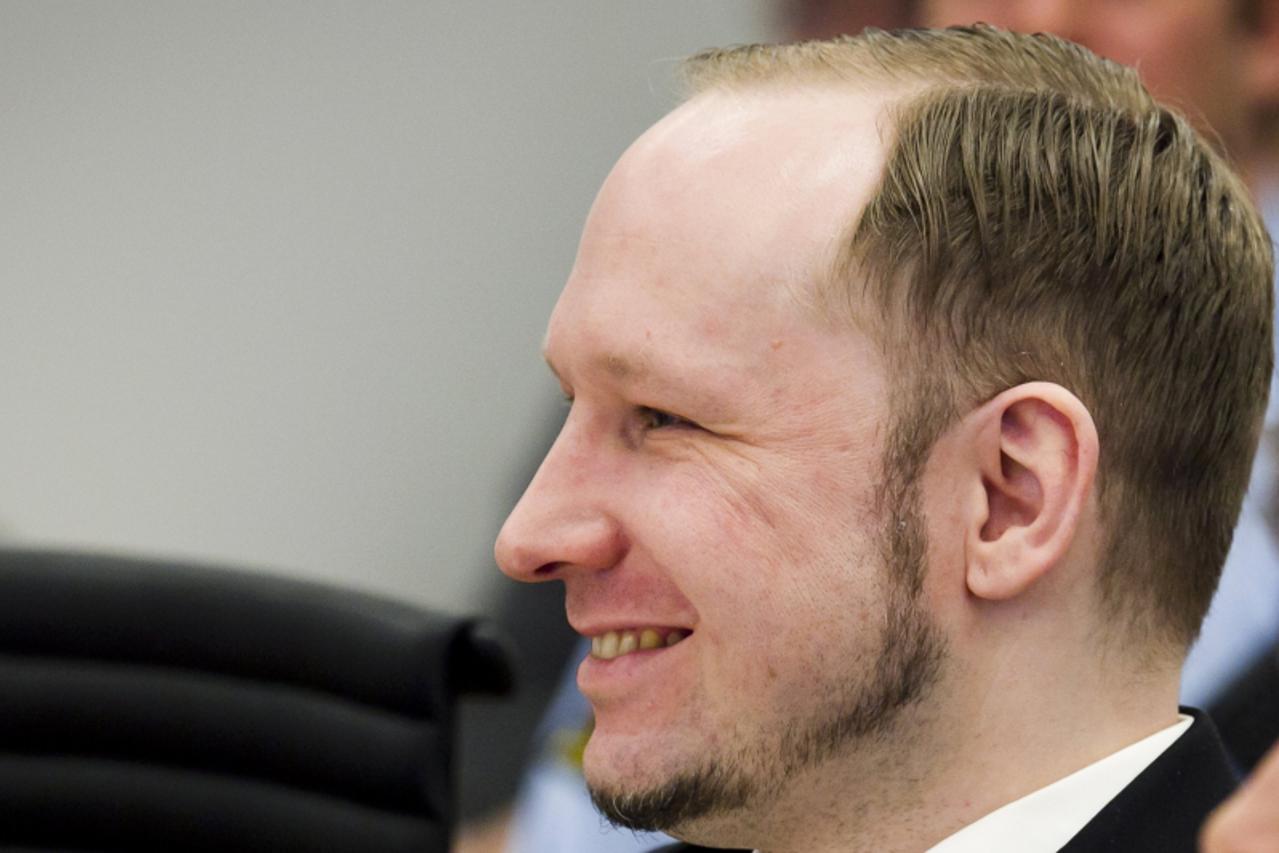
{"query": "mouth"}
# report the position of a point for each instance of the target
(616, 644)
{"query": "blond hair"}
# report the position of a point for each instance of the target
(1041, 217)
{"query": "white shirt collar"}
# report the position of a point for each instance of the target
(1045, 820)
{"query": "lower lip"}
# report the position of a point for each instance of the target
(598, 678)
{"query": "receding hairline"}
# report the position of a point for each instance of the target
(908, 69)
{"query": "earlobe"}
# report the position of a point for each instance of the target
(1035, 451)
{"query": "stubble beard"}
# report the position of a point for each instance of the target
(909, 661)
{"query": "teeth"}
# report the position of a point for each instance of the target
(614, 644)
(628, 643)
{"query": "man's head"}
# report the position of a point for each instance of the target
(1042, 218)
(842, 335)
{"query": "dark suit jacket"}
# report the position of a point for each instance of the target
(1160, 811)
(1247, 711)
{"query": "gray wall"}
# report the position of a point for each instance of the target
(273, 275)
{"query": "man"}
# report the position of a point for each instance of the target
(915, 380)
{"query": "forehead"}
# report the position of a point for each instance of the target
(719, 221)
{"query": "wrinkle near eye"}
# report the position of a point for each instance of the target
(731, 477)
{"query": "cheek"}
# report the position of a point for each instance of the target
(784, 579)
(762, 555)
(774, 513)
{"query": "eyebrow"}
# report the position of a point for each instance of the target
(614, 364)
(642, 372)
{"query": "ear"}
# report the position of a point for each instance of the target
(1035, 452)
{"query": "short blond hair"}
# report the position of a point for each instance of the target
(1041, 217)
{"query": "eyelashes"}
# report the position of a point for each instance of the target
(649, 418)
(652, 419)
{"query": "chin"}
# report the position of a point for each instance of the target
(632, 793)
(619, 766)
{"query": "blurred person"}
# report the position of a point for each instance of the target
(821, 19)
(897, 479)
(1218, 62)
(1249, 821)
(1215, 60)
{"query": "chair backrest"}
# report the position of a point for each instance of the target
(153, 705)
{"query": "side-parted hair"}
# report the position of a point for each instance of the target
(1041, 217)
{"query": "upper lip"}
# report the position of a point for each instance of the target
(597, 626)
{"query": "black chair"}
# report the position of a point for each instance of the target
(153, 706)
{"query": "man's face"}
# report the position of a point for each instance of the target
(716, 480)
(1190, 53)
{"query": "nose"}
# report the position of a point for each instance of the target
(563, 522)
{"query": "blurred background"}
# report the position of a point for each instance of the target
(275, 274)
(275, 277)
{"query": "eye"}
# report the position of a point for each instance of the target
(652, 418)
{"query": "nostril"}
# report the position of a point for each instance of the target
(547, 571)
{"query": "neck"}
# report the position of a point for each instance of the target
(1029, 726)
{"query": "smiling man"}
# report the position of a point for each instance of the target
(915, 379)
